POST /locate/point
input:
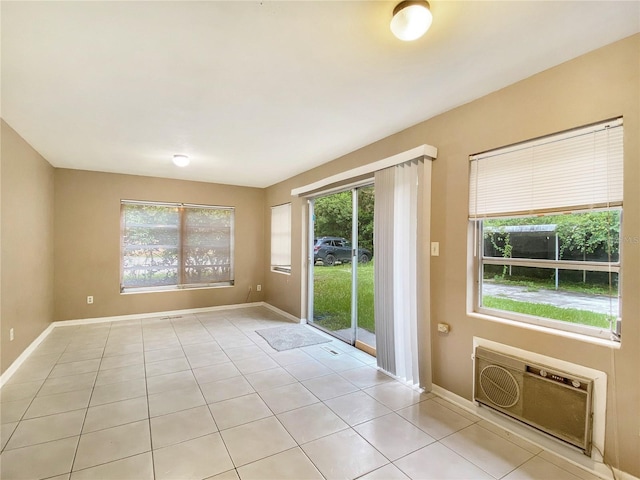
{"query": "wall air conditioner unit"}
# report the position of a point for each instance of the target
(555, 402)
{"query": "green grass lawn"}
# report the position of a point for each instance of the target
(571, 315)
(332, 296)
(535, 284)
(332, 301)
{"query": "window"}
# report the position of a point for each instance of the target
(546, 218)
(281, 238)
(167, 245)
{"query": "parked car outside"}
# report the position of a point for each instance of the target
(330, 250)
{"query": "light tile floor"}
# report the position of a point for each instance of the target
(203, 396)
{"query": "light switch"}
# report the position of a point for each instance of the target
(435, 249)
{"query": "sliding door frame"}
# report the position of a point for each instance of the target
(328, 184)
(353, 188)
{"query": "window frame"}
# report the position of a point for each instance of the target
(181, 283)
(284, 268)
(494, 205)
(480, 260)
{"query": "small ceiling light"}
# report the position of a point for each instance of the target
(181, 160)
(411, 19)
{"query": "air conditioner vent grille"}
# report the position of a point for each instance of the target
(556, 402)
(499, 385)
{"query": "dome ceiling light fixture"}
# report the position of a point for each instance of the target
(181, 160)
(411, 19)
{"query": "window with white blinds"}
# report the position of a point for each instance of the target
(580, 169)
(170, 245)
(281, 238)
(546, 218)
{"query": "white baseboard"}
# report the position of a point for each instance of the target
(620, 475)
(167, 313)
(547, 443)
(8, 373)
(287, 315)
(4, 378)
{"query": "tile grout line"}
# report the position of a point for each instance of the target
(4, 448)
(86, 408)
(321, 402)
(22, 419)
(219, 432)
(259, 396)
(108, 403)
(146, 389)
(86, 413)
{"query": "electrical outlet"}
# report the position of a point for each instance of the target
(90, 299)
(11, 335)
(443, 327)
(259, 288)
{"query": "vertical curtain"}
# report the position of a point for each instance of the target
(396, 271)
(383, 269)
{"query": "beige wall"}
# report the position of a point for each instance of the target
(87, 243)
(597, 86)
(78, 213)
(282, 290)
(27, 245)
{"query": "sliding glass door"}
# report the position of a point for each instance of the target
(341, 266)
(366, 327)
(332, 273)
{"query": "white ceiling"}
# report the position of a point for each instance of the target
(258, 91)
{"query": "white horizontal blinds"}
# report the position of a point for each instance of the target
(207, 246)
(575, 170)
(175, 245)
(150, 245)
(281, 237)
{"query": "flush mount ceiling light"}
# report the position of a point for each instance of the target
(181, 160)
(411, 19)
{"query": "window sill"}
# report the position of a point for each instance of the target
(602, 342)
(172, 289)
(281, 272)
